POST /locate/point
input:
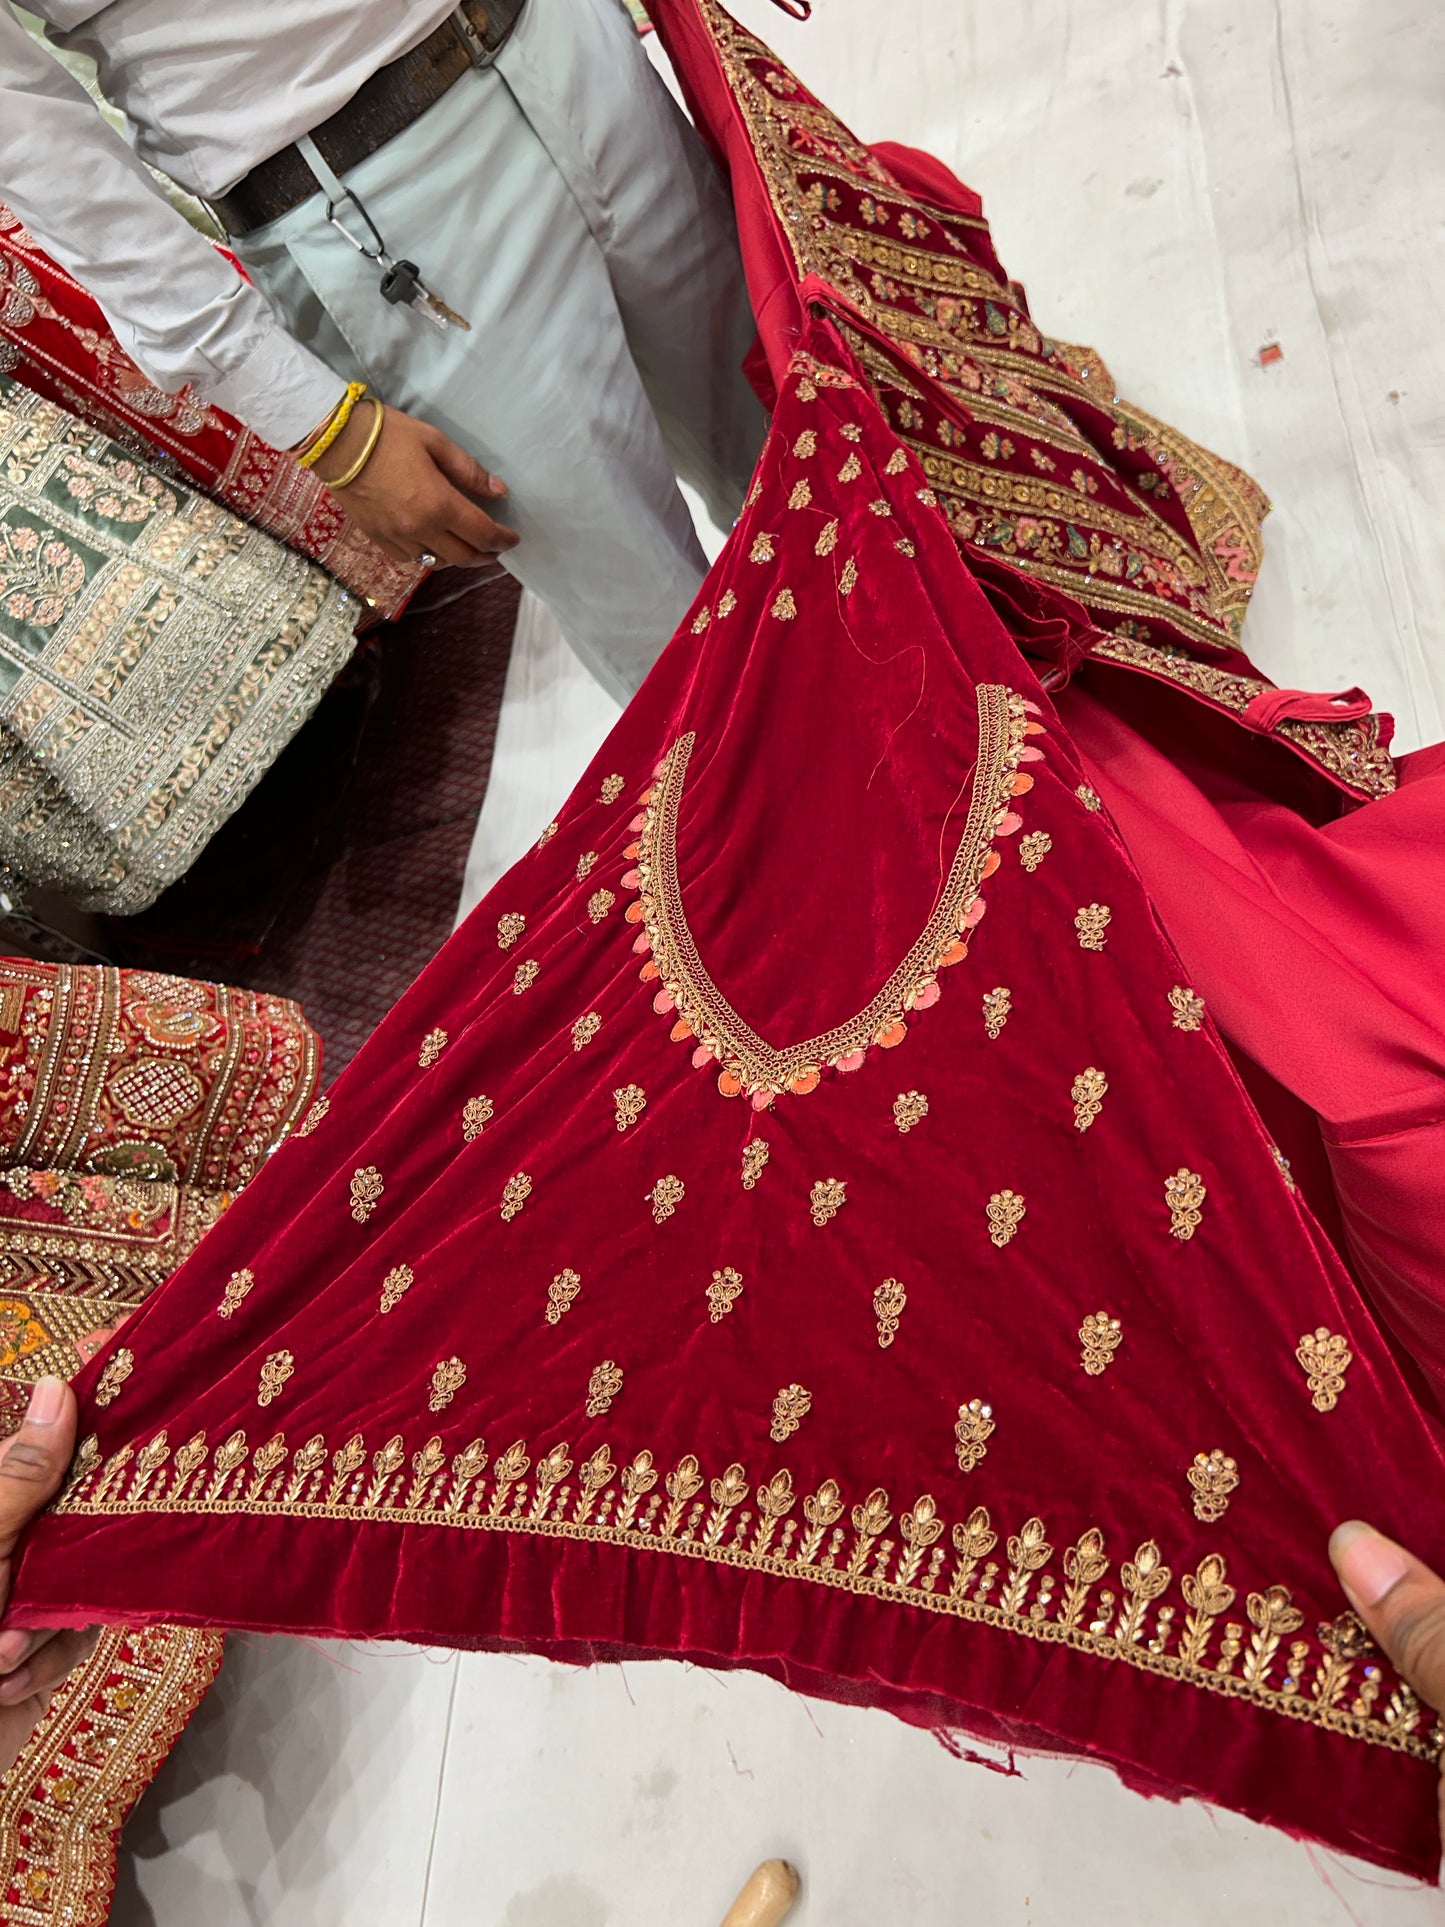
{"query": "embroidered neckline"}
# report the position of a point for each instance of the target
(748, 1064)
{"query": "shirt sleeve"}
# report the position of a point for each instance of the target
(178, 307)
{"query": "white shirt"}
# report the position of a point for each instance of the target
(209, 88)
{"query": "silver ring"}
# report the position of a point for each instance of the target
(427, 559)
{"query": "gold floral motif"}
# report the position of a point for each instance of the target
(1184, 1194)
(665, 1196)
(612, 788)
(1033, 848)
(117, 1371)
(446, 1381)
(367, 1185)
(755, 1156)
(585, 1029)
(827, 537)
(602, 1387)
(476, 1115)
(1005, 1214)
(1092, 923)
(524, 976)
(1137, 1630)
(790, 1408)
(701, 620)
(973, 1431)
(630, 1100)
(848, 577)
(726, 603)
(237, 1286)
(851, 469)
(723, 1293)
(1101, 1336)
(395, 1285)
(277, 1368)
(1324, 1358)
(1214, 1476)
(802, 494)
(784, 606)
(909, 1108)
(511, 926)
(827, 1199)
(806, 444)
(599, 903)
(1282, 1165)
(997, 1004)
(316, 1115)
(432, 1046)
(1090, 799)
(515, 1193)
(762, 549)
(560, 1294)
(546, 837)
(586, 864)
(1188, 1008)
(1089, 1090)
(888, 1303)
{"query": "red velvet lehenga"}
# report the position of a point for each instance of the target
(739, 1246)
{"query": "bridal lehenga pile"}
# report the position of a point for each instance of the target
(812, 1217)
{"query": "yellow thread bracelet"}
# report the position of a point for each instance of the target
(354, 392)
(342, 481)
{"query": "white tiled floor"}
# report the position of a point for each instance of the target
(1178, 182)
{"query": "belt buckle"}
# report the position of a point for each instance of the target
(478, 52)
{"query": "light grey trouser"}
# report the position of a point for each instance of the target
(562, 203)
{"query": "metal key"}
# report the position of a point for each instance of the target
(402, 285)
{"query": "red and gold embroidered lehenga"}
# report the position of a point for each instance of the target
(739, 1246)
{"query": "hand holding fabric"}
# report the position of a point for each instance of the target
(418, 494)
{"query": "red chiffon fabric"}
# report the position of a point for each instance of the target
(805, 1218)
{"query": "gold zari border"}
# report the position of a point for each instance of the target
(1332, 1681)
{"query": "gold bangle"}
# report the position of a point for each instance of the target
(343, 481)
(354, 392)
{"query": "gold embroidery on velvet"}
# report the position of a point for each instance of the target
(755, 1156)
(1092, 924)
(1132, 1629)
(897, 462)
(762, 549)
(665, 1196)
(476, 1115)
(997, 1003)
(1184, 1193)
(446, 1381)
(905, 547)
(880, 508)
(1281, 1163)
(791, 1406)
(560, 1294)
(316, 1115)
(237, 1286)
(888, 1304)
(630, 1101)
(509, 928)
(909, 1108)
(748, 1064)
(806, 444)
(525, 976)
(1089, 1091)
(848, 579)
(1005, 1214)
(1101, 1336)
(827, 537)
(394, 1287)
(1351, 752)
(784, 607)
(277, 1368)
(827, 1199)
(1324, 1357)
(115, 1374)
(585, 1029)
(850, 431)
(802, 494)
(701, 620)
(1090, 799)
(1188, 1008)
(515, 1193)
(586, 864)
(599, 903)
(1213, 1476)
(602, 1387)
(612, 788)
(723, 1293)
(367, 1185)
(973, 1431)
(851, 469)
(432, 1046)
(726, 603)
(546, 837)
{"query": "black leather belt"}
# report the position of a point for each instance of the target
(381, 108)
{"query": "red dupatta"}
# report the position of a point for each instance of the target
(739, 1246)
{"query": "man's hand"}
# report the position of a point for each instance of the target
(1403, 1604)
(419, 493)
(32, 1464)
